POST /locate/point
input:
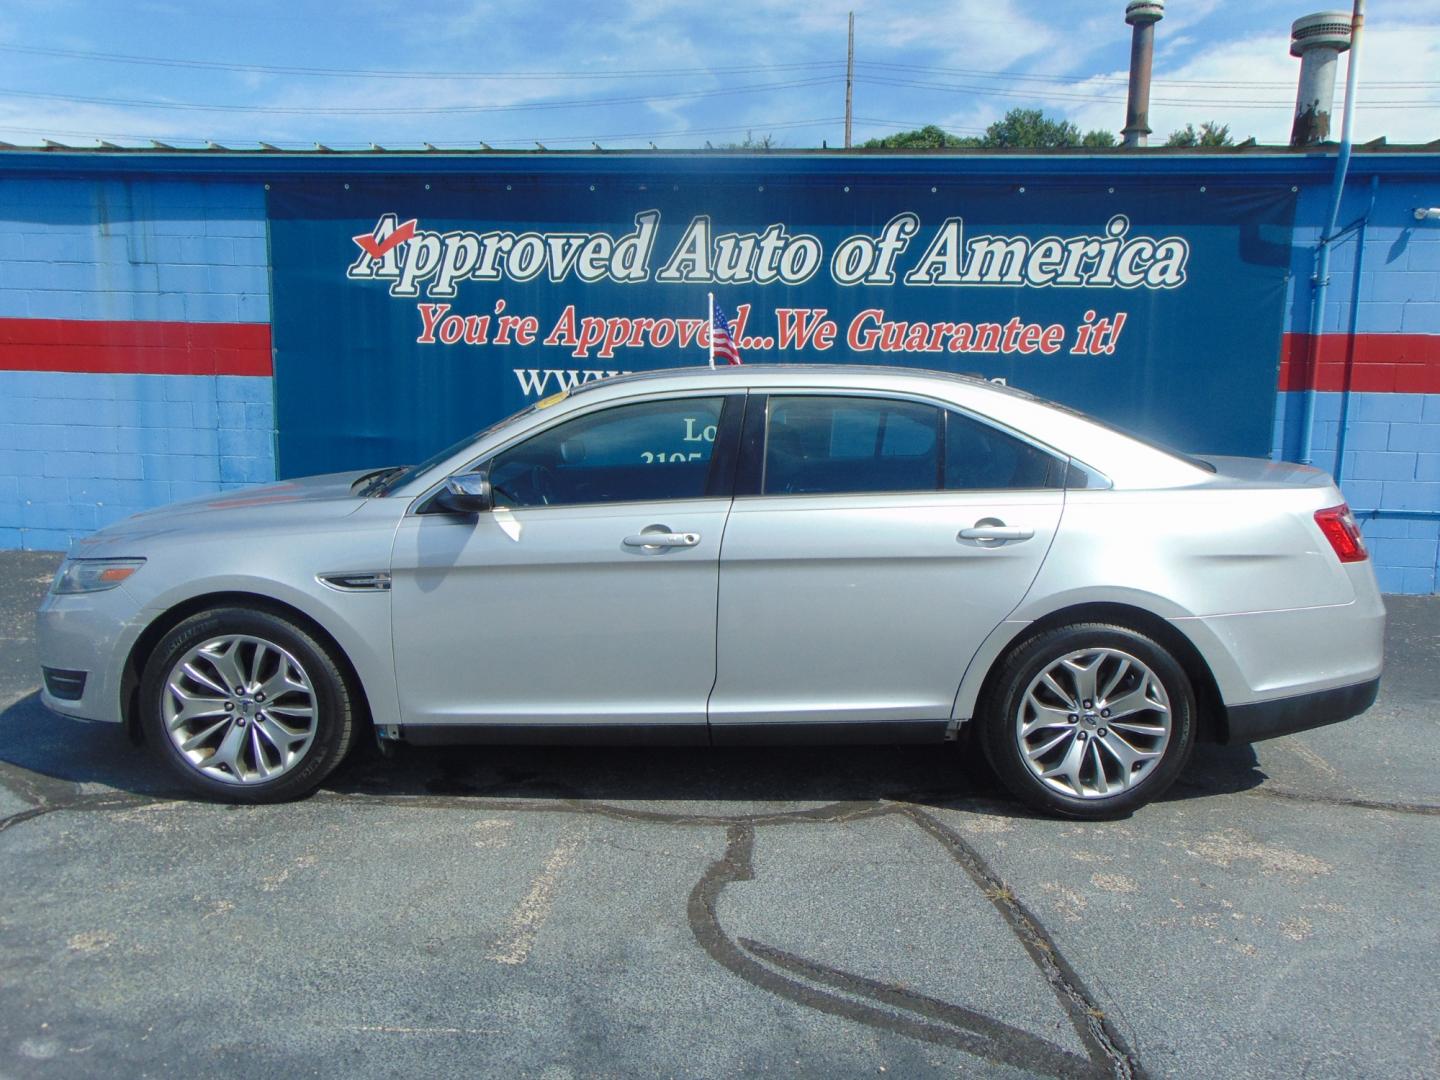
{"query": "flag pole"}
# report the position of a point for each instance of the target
(711, 326)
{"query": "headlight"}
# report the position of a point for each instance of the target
(94, 575)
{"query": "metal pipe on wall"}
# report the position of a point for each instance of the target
(1322, 254)
(1361, 228)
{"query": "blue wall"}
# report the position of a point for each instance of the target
(96, 239)
(1392, 439)
(79, 450)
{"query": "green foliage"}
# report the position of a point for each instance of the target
(1030, 129)
(1210, 134)
(928, 137)
(1021, 129)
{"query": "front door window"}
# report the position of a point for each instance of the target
(645, 452)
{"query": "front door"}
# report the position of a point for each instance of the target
(588, 596)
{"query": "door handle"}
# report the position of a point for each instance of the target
(662, 539)
(985, 532)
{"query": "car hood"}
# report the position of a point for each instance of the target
(307, 500)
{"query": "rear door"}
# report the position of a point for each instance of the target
(873, 544)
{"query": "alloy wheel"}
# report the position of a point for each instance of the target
(1093, 723)
(240, 709)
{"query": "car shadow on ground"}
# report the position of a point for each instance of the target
(76, 752)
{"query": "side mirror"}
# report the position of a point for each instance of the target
(467, 494)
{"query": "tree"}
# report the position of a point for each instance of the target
(928, 137)
(1021, 129)
(1211, 133)
(765, 142)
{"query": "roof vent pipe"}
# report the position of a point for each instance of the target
(1318, 40)
(1142, 15)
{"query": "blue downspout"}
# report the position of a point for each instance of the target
(1354, 327)
(1321, 279)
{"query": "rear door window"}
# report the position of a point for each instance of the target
(979, 457)
(838, 445)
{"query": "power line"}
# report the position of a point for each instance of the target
(1121, 79)
(383, 73)
(1048, 95)
(639, 73)
(417, 110)
(471, 144)
(906, 125)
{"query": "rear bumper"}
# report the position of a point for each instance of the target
(1285, 716)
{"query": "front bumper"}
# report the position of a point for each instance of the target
(1285, 716)
(89, 633)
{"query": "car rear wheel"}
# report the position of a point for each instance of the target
(1090, 720)
(245, 706)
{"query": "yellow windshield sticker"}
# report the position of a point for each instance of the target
(553, 399)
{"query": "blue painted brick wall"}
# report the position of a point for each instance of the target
(1390, 473)
(170, 250)
(78, 451)
(1399, 287)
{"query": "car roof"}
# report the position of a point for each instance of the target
(865, 374)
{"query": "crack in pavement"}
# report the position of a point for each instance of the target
(1346, 802)
(943, 1023)
(1096, 1031)
(933, 1020)
(102, 800)
(804, 981)
(886, 1006)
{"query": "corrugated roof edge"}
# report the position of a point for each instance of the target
(1373, 158)
(264, 149)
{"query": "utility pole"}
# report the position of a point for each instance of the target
(849, 78)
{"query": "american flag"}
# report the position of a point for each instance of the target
(724, 340)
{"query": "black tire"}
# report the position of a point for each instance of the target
(1002, 741)
(334, 721)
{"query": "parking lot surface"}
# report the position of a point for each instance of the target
(525, 912)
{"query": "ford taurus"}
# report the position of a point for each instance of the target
(751, 555)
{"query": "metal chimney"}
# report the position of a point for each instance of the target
(1318, 40)
(1142, 15)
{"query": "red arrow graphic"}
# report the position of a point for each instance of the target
(376, 249)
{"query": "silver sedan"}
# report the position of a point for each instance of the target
(750, 555)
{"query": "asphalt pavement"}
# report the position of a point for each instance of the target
(555, 913)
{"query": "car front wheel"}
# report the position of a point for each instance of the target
(1089, 720)
(245, 706)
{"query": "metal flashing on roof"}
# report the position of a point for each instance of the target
(1250, 145)
(267, 161)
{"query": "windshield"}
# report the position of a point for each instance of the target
(404, 476)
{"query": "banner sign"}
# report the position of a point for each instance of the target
(408, 312)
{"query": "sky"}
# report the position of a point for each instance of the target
(632, 73)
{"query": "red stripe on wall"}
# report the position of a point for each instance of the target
(1384, 363)
(135, 348)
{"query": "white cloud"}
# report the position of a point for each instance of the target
(1083, 43)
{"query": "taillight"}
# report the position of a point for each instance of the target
(1338, 525)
